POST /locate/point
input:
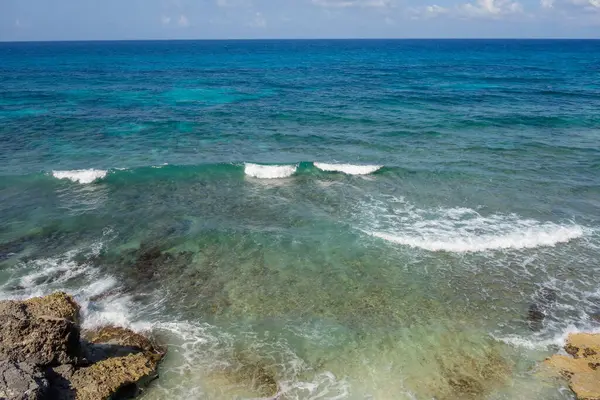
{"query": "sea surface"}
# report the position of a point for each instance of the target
(377, 219)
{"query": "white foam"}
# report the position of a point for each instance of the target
(557, 340)
(463, 230)
(101, 304)
(81, 175)
(527, 238)
(199, 350)
(51, 270)
(349, 169)
(269, 171)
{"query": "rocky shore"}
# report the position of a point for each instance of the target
(44, 354)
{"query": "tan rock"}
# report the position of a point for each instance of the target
(586, 385)
(56, 305)
(112, 378)
(119, 342)
(566, 366)
(583, 345)
(583, 369)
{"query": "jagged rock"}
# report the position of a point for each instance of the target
(118, 377)
(43, 357)
(56, 305)
(582, 369)
(40, 331)
(21, 381)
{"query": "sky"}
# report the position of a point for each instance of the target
(251, 19)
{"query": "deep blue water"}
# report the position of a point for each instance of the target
(353, 218)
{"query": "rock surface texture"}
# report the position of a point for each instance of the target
(44, 354)
(582, 367)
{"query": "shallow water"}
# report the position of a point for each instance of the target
(312, 219)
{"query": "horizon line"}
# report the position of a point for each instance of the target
(297, 39)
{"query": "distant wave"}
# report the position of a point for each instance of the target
(462, 230)
(269, 171)
(81, 175)
(254, 170)
(349, 169)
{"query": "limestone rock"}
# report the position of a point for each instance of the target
(583, 345)
(112, 378)
(583, 369)
(21, 381)
(586, 385)
(113, 341)
(43, 357)
(56, 305)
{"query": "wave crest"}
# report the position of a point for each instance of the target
(527, 238)
(349, 169)
(81, 175)
(269, 171)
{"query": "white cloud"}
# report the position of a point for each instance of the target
(427, 12)
(436, 10)
(490, 8)
(566, 7)
(165, 20)
(233, 3)
(589, 4)
(183, 21)
(353, 3)
(475, 9)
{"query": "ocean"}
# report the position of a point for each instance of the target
(312, 219)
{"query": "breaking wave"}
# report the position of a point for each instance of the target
(83, 176)
(269, 171)
(349, 169)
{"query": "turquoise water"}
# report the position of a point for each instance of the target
(312, 219)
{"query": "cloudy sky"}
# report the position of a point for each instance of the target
(218, 19)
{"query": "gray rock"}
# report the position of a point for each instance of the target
(60, 382)
(21, 381)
